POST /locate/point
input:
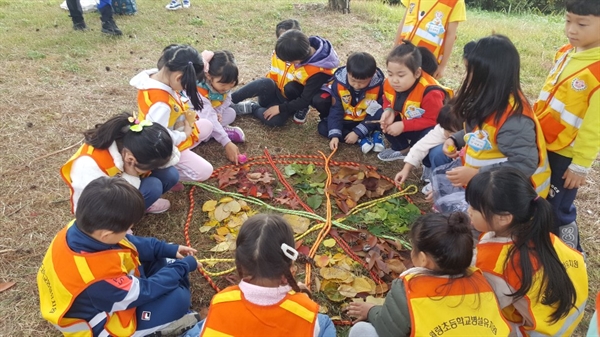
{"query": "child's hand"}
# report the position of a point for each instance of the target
(190, 116)
(351, 138)
(360, 310)
(387, 118)
(573, 180)
(232, 152)
(395, 129)
(220, 117)
(460, 176)
(183, 251)
(439, 73)
(333, 143)
(271, 112)
(401, 176)
(449, 148)
(187, 129)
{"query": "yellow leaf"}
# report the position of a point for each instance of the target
(244, 205)
(205, 229)
(321, 261)
(396, 266)
(220, 213)
(232, 206)
(209, 205)
(346, 290)
(338, 257)
(375, 300)
(218, 238)
(361, 285)
(329, 273)
(225, 200)
(329, 243)
(211, 223)
(221, 247)
(222, 231)
(298, 223)
(323, 309)
(211, 215)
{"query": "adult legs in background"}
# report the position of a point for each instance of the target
(76, 14)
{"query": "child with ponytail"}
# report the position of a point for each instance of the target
(541, 283)
(268, 301)
(442, 282)
(140, 152)
(221, 75)
(160, 101)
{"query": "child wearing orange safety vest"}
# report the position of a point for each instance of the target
(221, 75)
(500, 128)
(441, 295)
(432, 24)
(568, 108)
(97, 280)
(541, 283)
(268, 301)
(140, 152)
(160, 101)
(412, 100)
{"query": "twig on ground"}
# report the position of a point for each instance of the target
(55, 152)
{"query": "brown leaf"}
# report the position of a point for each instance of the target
(6, 285)
(370, 183)
(341, 204)
(373, 174)
(396, 266)
(228, 177)
(356, 191)
(322, 261)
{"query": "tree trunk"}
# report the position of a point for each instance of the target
(340, 5)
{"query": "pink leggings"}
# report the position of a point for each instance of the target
(191, 166)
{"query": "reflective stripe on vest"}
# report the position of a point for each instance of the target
(463, 306)
(412, 106)
(356, 112)
(281, 72)
(430, 29)
(302, 74)
(147, 98)
(60, 286)
(103, 159)
(295, 315)
(562, 105)
(491, 258)
(482, 148)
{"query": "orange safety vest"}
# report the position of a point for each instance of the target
(358, 112)
(491, 257)
(294, 315)
(146, 98)
(64, 274)
(463, 306)
(562, 104)
(281, 72)
(412, 106)
(430, 29)
(204, 93)
(302, 74)
(482, 148)
(102, 157)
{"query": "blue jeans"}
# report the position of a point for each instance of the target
(436, 157)
(157, 183)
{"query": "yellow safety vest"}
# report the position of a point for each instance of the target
(491, 257)
(430, 29)
(302, 74)
(412, 106)
(356, 112)
(562, 104)
(64, 274)
(281, 72)
(463, 306)
(482, 148)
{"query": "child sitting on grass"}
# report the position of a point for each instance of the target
(357, 89)
(96, 279)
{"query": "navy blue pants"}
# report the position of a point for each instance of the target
(436, 157)
(157, 183)
(406, 139)
(562, 201)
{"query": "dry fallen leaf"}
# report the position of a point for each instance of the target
(329, 243)
(221, 247)
(222, 231)
(299, 224)
(396, 266)
(6, 285)
(205, 229)
(220, 213)
(375, 300)
(322, 261)
(232, 206)
(361, 285)
(210, 205)
(329, 273)
(347, 290)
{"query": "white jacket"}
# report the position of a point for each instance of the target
(420, 150)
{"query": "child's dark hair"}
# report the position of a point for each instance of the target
(293, 45)
(406, 53)
(446, 238)
(152, 146)
(583, 7)
(286, 25)
(468, 48)
(361, 65)
(447, 120)
(185, 58)
(506, 190)
(223, 65)
(109, 203)
(493, 71)
(258, 250)
(429, 63)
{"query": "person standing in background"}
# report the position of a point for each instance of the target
(106, 16)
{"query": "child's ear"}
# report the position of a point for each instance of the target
(418, 72)
(503, 220)
(128, 157)
(178, 77)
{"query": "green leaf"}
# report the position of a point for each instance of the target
(310, 169)
(289, 170)
(314, 201)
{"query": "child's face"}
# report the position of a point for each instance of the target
(221, 88)
(400, 77)
(478, 220)
(358, 84)
(582, 31)
(174, 78)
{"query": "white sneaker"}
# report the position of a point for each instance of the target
(174, 5)
(186, 4)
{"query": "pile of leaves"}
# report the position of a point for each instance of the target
(258, 182)
(391, 217)
(350, 184)
(225, 217)
(308, 183)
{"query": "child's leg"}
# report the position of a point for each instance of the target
(326, 327)
(436, 157)
(322, 102)
(264, 88)
(562, 200)
(192, 167)
(158, 314)
(159, 182)
(398, 143)
(323, 128)
(277, 120)
(228, 116)
(363, 329)
(293, 90)
(205, 129)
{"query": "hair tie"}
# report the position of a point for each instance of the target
(190, 63)
(138, 125)
(536, 198)
(288, 251)
(207, 55)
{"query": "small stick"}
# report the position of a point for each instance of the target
(55, 152)
(7, 250)
(373, 122)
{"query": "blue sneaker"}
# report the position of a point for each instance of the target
(174, 5)
(186, 3)
(378, 141)
(366, 144)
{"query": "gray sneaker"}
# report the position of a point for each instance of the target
(390, 155)
(178, 327)
(245, 107)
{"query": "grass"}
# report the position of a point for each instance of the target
(57, 82)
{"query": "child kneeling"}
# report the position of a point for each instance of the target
(98, 280)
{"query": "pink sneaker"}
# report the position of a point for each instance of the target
(178, 187)
(235, 134)
(159, 206)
